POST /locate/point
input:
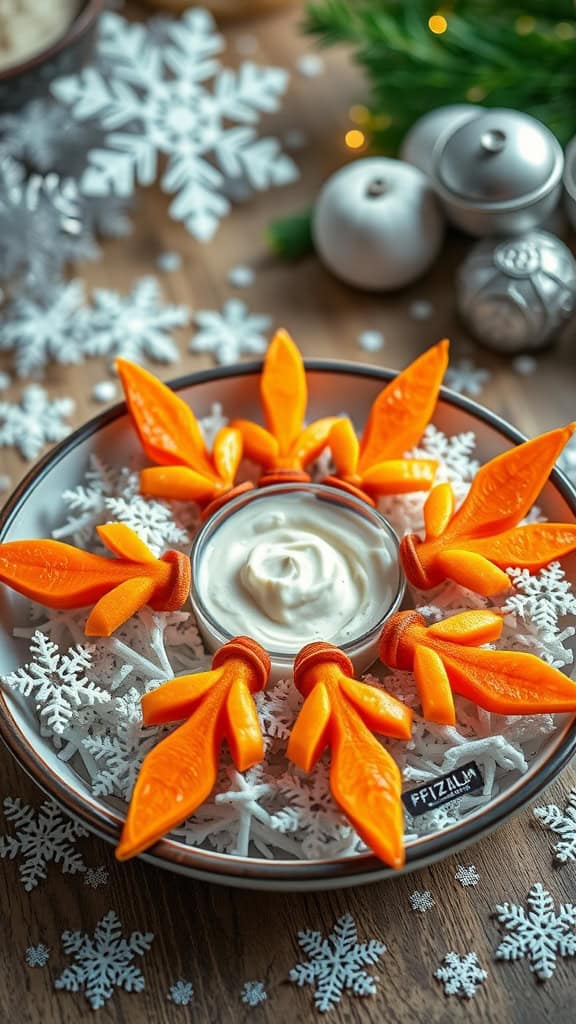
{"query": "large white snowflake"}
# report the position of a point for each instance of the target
(35, 421)
(460, 975)
(149, 92)
(336, 964)
(563, 823)
(538, 933)
(50, 328)
(136, 325)
(103, 962)
(541, 598)
(231, 333)
(41, 837)
(466, 378)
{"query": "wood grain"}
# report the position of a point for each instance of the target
(217, 937)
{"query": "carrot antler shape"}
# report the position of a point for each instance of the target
(60, 576)
(474, 545)
(286, 446)
(170, 436)
(401, 412)
(180, 772)
(446, 660)
(339, 712)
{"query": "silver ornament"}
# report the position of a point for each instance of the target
(570, 182)
(428, 130)
(499, 173)
(515, 294)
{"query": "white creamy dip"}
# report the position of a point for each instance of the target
(288, 568)
(29, 26)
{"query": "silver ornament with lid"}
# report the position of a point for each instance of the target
(418, 144)
(499, 173)
(515, 294)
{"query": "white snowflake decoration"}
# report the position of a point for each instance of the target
(538, 933)
(563, 823)
(253, 993)
(336, 964)
(35, 421)
(541, 598)
(134, 326)
(40, 838)
(103, 962)
(181, 993)
(421, 901)
(467, 875)
(41, 330)
(466, 378)
(149, 93)
(460, 975)
(37, 956)
(95, 878)
(371, 341)
(231, 333)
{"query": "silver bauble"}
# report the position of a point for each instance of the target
(499, 173)
(515, 294)
(425, 133)
(570, 182)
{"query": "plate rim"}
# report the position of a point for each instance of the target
(229, 869)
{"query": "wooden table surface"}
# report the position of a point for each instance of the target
(216, 937)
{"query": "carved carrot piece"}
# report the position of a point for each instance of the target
(60, 576)
(474, 545)
(170, 435)
(285, 446)
(444, 654)
(339, 712)
(180, 772)
(377, 464)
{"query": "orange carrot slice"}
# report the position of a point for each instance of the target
(283, 390)
(433, 687)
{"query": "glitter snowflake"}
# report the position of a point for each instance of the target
(466, 378)
(58, 683)
(149, 92)
(181, 993)
(253, 993)
(229, 334)
(460, 975)
(336, 964)
(541, 599)
(134, 326)
(35, 421)
(103, 962)
(421, 901)
(40, 838)
(538, 933)
(41, 330)
(96, 877)
(467, 875)
(37, 956)
(563, 823)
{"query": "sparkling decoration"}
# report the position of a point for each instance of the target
(168, 262)
(95, 878)
(310, 65)
(467, 875)
(525, 365)
(181, 993)
(48, 329)
(539, 933)
(466, 378)
(134, 325)
(371, 341)
(34, 422)
(37, 956)
(148, 93)
(421, 901)
(376, 224)
(41, 837)
(420, 309)
(253, 993)
(231, 333)
(461, 975)
(104, 391)
(103, 962)
(563, 823)
(336, 964)
(241, 276)
(516, 294)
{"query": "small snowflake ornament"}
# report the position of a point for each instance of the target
(134, 326)
(460, 975)
(253, 993)
(181, 993)
(542, 598)
(371, 341)
(37, 956)
(103, 961)
(466, 378)
(47, 329)
(563, 823)
(96, 877)
(421, 901)
(40, 838)
(231, 333)
(537, 933)
(336, 964)
(467, 875)
(35, 421)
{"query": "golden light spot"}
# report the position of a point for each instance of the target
(476, 93)
(524, 24)
(359, 114)
(355, 139)
(564, 30)
(437, 24)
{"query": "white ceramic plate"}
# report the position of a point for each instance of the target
(36, 507)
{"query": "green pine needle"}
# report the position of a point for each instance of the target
(291, 237)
